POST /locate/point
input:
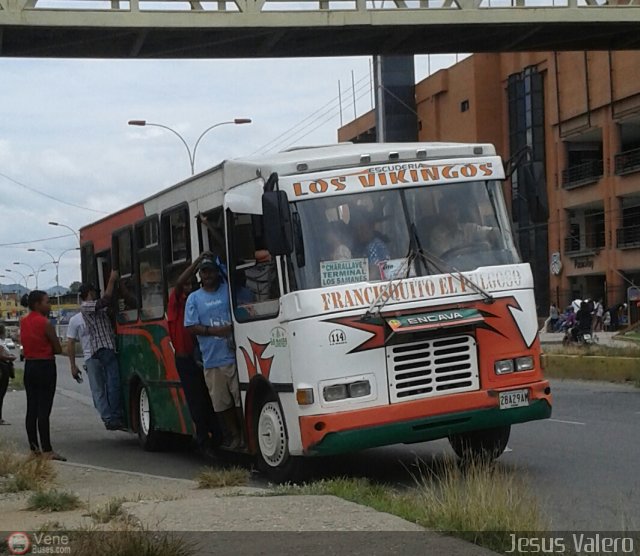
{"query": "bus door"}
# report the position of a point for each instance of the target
(256, 285)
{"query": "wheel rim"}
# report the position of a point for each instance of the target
(145, 412)
(272, 437)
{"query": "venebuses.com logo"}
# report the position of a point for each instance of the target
(18, 543)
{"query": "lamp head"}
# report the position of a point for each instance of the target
(140, 123)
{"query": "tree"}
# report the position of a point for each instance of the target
(74, 287)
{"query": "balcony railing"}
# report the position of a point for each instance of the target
(628, 162)
(628, 237)
(589, 243)
(582, 174)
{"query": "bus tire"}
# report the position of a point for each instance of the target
(150, 439)
(483, 445)
(272, 442)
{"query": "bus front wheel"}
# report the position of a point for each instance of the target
(149, 438)
(272, 442)
(484, 445)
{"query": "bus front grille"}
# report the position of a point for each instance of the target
(434, 367)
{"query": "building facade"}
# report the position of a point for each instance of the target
(571, 121)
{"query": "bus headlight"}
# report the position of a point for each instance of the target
(335, 392)
(359, 389)
(504, 366)
(524, 363)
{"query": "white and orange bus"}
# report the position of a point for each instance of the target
(392, 306)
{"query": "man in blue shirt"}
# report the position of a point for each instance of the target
(208, 316)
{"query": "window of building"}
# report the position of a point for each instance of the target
(150, 269)
(253, 272)
(464, 106)
(127, 293)
(176, 242)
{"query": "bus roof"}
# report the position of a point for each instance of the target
(303, 160)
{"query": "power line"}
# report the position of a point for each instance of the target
(33, 240)
(331, 117)
(267, 146)
(51, 197)
(333, 110)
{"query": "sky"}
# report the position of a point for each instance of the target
(64, 133)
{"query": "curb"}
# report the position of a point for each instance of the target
(123, 472)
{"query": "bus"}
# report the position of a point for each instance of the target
(391, 307)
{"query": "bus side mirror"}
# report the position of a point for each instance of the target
(276, 217)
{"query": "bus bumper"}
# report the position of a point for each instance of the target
(336, 433)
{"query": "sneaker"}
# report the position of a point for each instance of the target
(114, 426)
(55, 456)
(3, 422)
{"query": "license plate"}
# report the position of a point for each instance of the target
(514, 398)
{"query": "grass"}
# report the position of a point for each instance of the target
(479, 503)
(17, 383)
(210, 477)
(53, 501)
(131, 542)
(111, 511)
(19, 473)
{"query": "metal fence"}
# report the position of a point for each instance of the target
(627, 162)
(582, 174)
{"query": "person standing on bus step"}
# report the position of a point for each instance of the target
(6, 369)
(189, 368)
(208, 316)
(94, 310)
(40, 344)
(77, 331)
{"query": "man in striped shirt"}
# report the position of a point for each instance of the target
(101, 340)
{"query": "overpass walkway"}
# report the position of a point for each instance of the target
(261, 28)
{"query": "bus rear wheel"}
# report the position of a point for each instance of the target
(483, 445)
(150, 439)
(272, 442)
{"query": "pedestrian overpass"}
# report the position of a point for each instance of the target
(261, 28)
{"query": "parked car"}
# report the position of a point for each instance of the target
(9, 344)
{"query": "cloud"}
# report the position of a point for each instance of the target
(63, 130)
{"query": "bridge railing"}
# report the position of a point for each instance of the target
(305, 5)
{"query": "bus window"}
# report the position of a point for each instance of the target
(253, 274)
(214, 222)
(150, 269)
(88, 263)
(176, 243)
(127, 286)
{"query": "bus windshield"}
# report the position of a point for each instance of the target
(368, 236)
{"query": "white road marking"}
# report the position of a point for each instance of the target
(507, 449)
(566, 422)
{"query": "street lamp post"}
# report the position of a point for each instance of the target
(35, 272)
(67, 227)
(191, 153)
(56, 263)
(26, 285)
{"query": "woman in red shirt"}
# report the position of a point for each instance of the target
(40, 344)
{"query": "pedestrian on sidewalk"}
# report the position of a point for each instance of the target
(208, 316)
(103, 349)
(6, 369)
(77, 331)
(598, 313)
(189, 364)
(40, 344)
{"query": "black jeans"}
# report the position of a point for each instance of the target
(198, 400)
(40, 385)
(4, 383)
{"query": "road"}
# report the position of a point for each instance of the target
(582, 463)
